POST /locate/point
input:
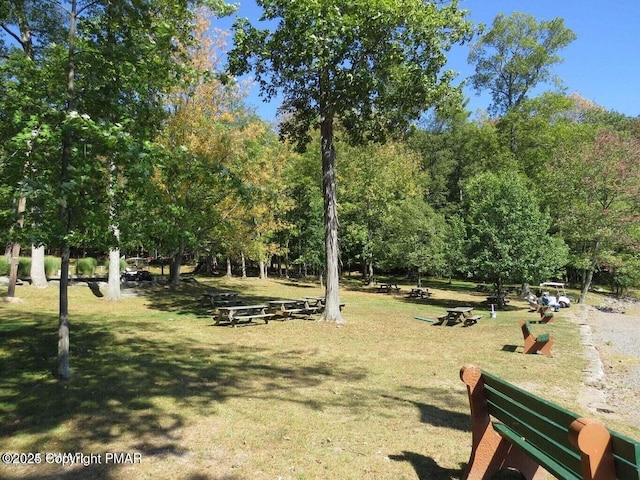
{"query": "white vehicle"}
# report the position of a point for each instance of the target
(560, 293)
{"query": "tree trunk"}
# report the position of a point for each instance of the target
(244, 265)
(332, 293)
(15, 251)
(13, 270)
(229, 272)
(587, 274)
(586, 284)
(38, 275)
(113, 288)
(174, 268)
(27, 46)
(64, 370)
(263, 269)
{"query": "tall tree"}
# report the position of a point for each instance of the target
(26, 25)
(507, 235)
(82, 120)
(373, 180)
(597, 201)
(515, 56)
(205, 144)
(371, 65)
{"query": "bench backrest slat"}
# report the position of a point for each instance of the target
(548, 462)
(540, 431)
(543, 407)
(534, 417)
(627, 454)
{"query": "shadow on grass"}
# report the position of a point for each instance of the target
(450, 303)
(102, 472)
(133, 382)
(426, 467)
(436, 416)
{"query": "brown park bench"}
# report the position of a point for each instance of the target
(546, 314)
(512, 428)
(532, 344)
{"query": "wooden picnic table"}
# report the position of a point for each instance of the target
(216, 298)
(235, 313)
(319, 303)
(460, 315)
(289, 307)
(498, 300)
(388, 288)
(419, 292)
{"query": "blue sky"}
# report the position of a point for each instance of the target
(602, 64)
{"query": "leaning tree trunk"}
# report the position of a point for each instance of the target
(332, 294)
(587, 275)
(15, 251)
(38, 274)
(586, 284)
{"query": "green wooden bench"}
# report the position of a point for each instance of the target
(532, 344)
(512, 428)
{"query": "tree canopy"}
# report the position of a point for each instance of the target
(515, 55)
(372, 66)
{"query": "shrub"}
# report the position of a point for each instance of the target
(4, 266)
(24, 267)
(86, 266)
(51, 266)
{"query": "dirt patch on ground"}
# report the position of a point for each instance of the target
(612, 348)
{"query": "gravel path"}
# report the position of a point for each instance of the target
(612, 348)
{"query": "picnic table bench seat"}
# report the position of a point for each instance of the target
(535, 343)
(472, 320)
(512, 428)
(253, 316)
(234, 313)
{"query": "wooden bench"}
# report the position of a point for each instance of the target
(546, 314)
(512, 428)
(532, 344)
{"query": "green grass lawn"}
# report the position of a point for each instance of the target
(379, 398)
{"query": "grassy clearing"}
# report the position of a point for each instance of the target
(377, 399)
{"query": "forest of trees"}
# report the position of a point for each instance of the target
(123, 129)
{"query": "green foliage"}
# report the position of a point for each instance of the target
(412, 236)
(507, 235)
(515, 55)
(51, 266)
(24, 266)
(5, 266)
(375, 65)
(86, 266)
